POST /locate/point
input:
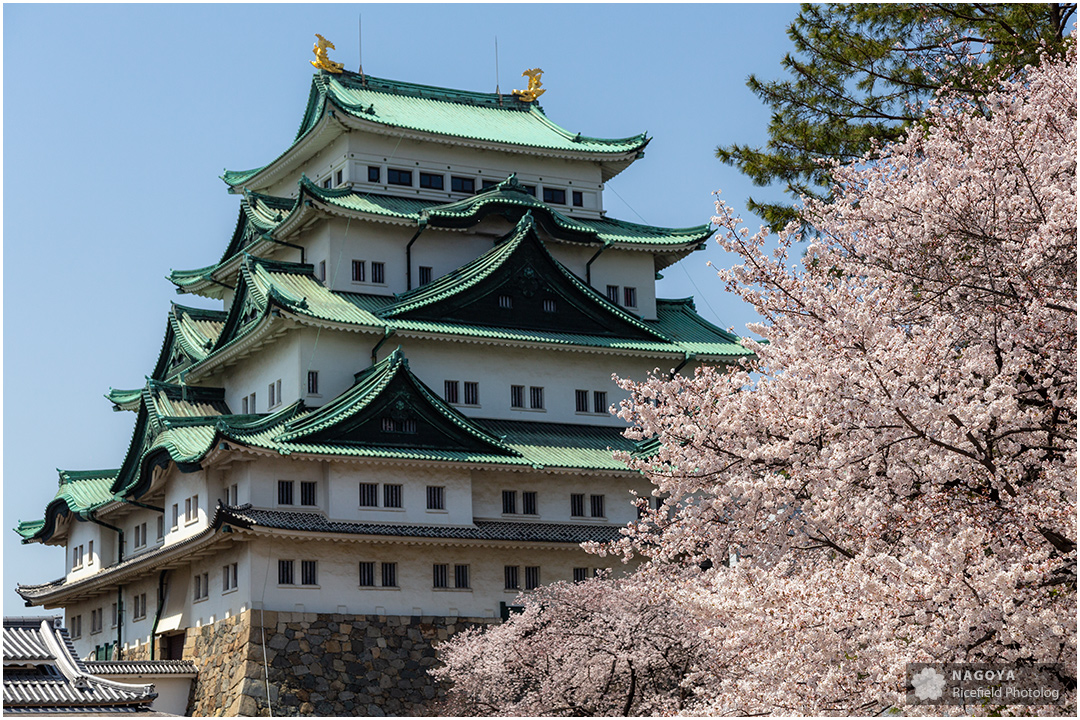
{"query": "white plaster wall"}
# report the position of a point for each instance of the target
(337, 356)
(345, 479)
(263, 476)
(553, 496)
(278, 360)
(219, 603)
(179, 487)
(317, 167)
(338, 574)
(82, 533)
(172, 690)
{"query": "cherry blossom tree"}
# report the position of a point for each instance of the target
(896, 469)
(600, 647)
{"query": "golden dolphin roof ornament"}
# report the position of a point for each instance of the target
(533, 91)
(322, 61)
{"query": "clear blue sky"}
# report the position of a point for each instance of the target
(119, 119)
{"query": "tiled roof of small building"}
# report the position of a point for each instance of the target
(42, 675)
(142, 667)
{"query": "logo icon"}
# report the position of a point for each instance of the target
(928, 684)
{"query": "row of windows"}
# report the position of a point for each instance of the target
(444, 576)
(360, 272)
(629, 295)
(274, 396)
(459, 184)
(308, 493)
(191, 512)
(510, 504)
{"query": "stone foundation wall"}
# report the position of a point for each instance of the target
(318, 664)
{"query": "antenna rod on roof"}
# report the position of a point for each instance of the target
(497, 69)
(360, 44)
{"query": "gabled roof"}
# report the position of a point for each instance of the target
(459, 117)
(43, 675)
(519, 268)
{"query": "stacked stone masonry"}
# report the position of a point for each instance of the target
(318, 664)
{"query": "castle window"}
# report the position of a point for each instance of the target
(313, 382)
(244, 406)
(528, 503)
(90, 553)
(599, 401)
(391, 495)
(160, 528)
(549, 305)
(374, 173)
(517, 396)
(596, 506)
(76, 557)
(389, 574)
(139, 606)
(581, 401)
(630, 297)
(339, 177)
(472, 393)
(76, 626)
(431, 181)
(230, 577)
(536, 398)
(322, 270)
(579, 199)
(405, 427)
(326, 183)
(581, 574)
(613, 293)
(251, 403)
(577, 505)
(555, 195)
(285, 572)
(232, 495)
(308, 493)
(399, 177)
(309, 572)
(510, 577)
(378, 273)
(425, 275)
(461, 576)
(175, 515)
(202, 586)
(140, 536)
(358, 271)
(367, 574)
(285, 492)
(96, 620)
(439, 577)
(506, 302)
(532, 578)
(529, 189)
(369, 494)
(450, 391)
(509, 502)
(115, 614)
(274, 392)
(462, 184)
(436, 497)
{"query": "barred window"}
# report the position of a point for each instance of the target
(599, 401)
(76, 626)
(613, 293)
(369, 494)
(229, 577)
(577, 505)
(389, 574)
(359, 273)
(309, 572)
(391, 496)
(450, 391)
(367, 574)
(378, 273)
(509, 498)
(313, 382)
(436, 497)
(425, 274)
(461, 576)
(581, 401)
(472, 393)
(532, 578)
(202, 586)
(308, 493)
(439, 575)
(549, 305)
(506, 302)
(536, 398)
(630, 297)
(596, 505)
(285, 492)
(581, 574)
(517, 396)
(528, 503)
(510, 577)
(402, 427)
(96, 621)
(285, 572)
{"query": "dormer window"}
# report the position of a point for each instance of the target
(462, 184)
(403, 427)
(549, 305)
(506, 302)
(431, 181)
(556, 196)
(399, 177)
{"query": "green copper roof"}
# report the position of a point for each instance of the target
(80, 492)
(680, 322)
(190, 334)
(465, 116)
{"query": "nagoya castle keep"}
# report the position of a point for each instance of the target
(397, 419)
